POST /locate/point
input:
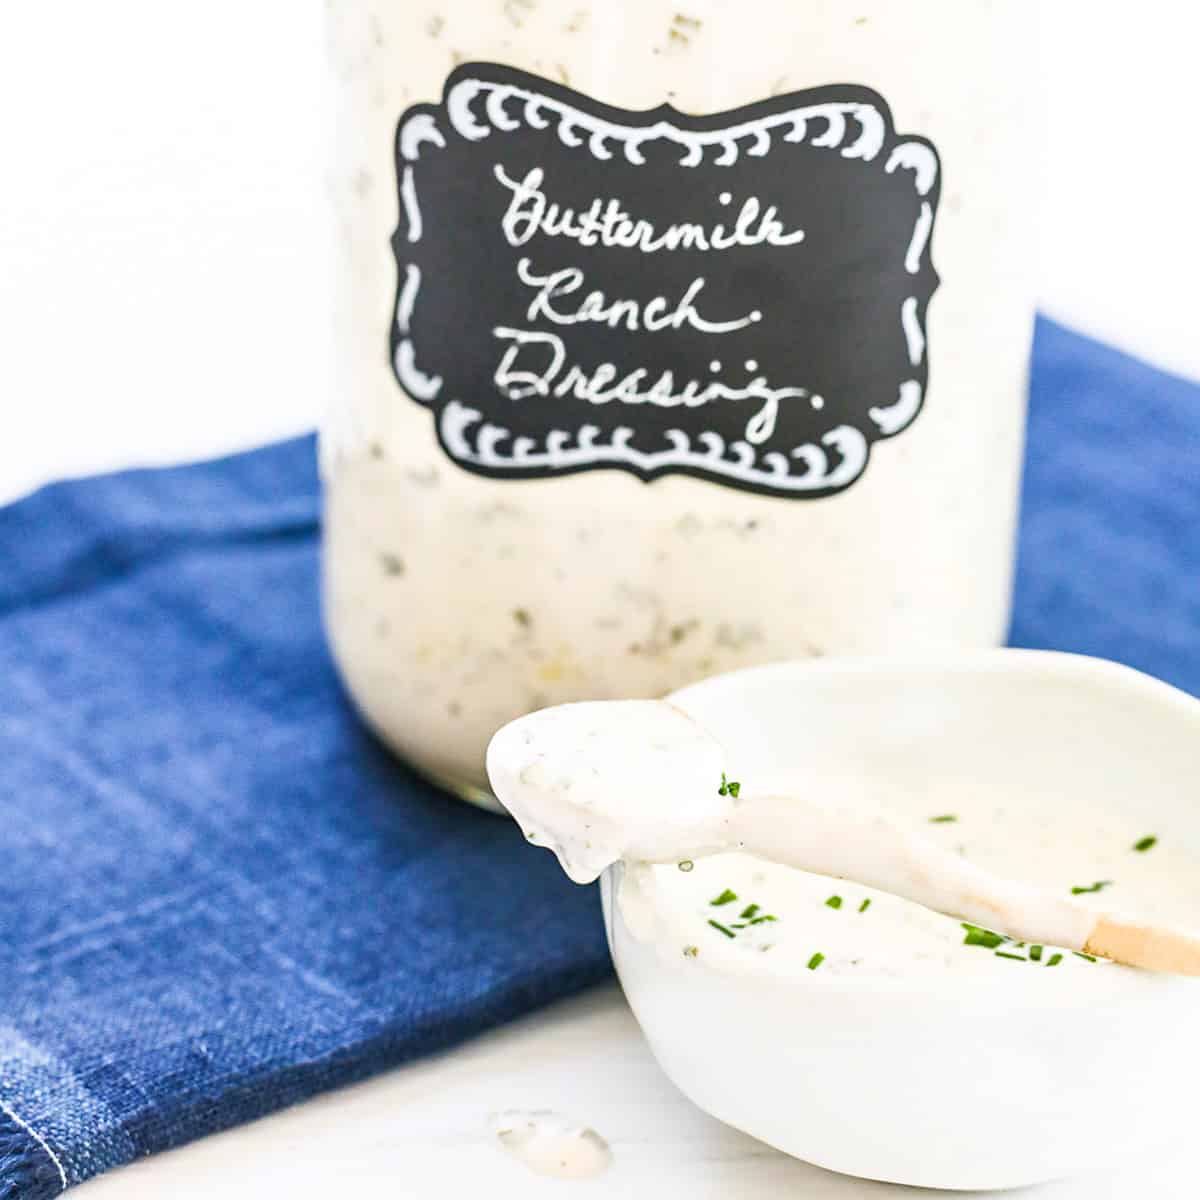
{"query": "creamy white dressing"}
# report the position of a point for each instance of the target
(456, 602)
(640, 782)
(796, 916)
(1062, 850)
(605, 781)
(551, 1144)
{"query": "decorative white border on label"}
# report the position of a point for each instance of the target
(855, 129)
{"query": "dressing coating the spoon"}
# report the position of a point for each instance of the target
(600, 781)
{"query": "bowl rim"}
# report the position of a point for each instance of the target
(1003, 660)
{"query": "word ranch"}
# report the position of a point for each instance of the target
(654, 316)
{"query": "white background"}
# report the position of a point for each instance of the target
(163, 295)
(162, 231)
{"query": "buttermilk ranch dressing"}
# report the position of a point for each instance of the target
(717, 910)
(555, 771)
(456, 600)
(640, 781)
(551, 1144)
(713, 868)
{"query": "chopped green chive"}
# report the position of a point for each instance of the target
(1147, 843)
(862, 908)
(726, 897)
(723, 929)
(834, 902)
(729, 787)
(1055, 959)
(686, 865)
(982, 937)
(1098, 886)
(690, 951)
(946, 819)
(749, 912)
(1035, 953)
(815, 961)
(1085, 957)
(1005, 954)
(766, 917)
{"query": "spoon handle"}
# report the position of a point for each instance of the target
(1152, 947)
(870, 848)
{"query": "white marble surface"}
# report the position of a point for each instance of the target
(160, 232)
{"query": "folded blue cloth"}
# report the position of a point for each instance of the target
(220, 896)
(1110, 530)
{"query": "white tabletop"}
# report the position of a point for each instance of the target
(423, 1133)
(157, 303)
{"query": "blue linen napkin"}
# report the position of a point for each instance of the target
(220, 896)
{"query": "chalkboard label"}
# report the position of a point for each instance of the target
(739, 297)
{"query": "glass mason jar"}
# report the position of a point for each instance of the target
(674, 338)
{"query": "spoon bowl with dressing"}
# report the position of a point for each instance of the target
(871, 1035)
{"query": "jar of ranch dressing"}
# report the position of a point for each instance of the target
(675, 337)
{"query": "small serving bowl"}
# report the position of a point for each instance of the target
(956, 1080)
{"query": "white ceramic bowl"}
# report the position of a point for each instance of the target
(963, 1080)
